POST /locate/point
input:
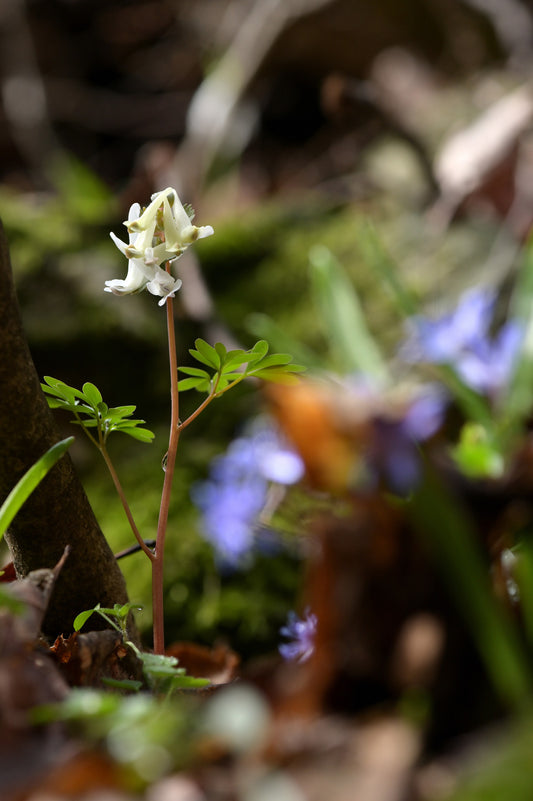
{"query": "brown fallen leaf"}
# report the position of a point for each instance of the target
(218, 664)
(87, 659)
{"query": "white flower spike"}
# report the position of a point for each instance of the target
(160, 234)
(139, 274)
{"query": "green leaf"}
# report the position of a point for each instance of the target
(277, 376)
(199, 358)
(221, 350)
(234, 359)
(159, 664)
(163, 671)
(106, 610)
(351, 342)
(29, 481)
(61, 389)
(112, 419)
(141, 434)
(259, 350)
(274, 360)
(120, 411)
(55, 403)
(196, 371)
(476, 455)
(120, 425)
(92, 394)
(188, 683)
(86, 423)
(205, 353)
(81, 619)
(200, 384)
(228, 378)
(124, 610)
(54, 393)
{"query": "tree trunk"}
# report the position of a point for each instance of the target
(58, 512)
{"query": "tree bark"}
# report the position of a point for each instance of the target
(58, 512)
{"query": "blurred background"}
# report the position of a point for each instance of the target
(382, 130)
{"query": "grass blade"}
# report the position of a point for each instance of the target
(447, 530)
(29, 481)
(352, 343)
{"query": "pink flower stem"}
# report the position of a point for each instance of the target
(157, 561)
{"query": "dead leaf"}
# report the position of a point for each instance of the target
(218, 664)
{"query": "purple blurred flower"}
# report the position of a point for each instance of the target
(489, 366)
(233, 497)
(394, 454)
(463, 340)
(275, 460)
(302, 633)
(425, 414)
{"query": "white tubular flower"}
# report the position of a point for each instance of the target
(161, 233)
(179, 230)
(163, 284)
(139, 273)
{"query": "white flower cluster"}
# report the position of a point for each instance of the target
(160, 234)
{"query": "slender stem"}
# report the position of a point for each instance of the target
(197, 411)
(157, 561)
(86, 430)
(118, 486)
(215, 393)
(100, 444)
(230, 386)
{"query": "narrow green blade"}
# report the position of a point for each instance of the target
(340, 309)
(25, 486)
(378, 260)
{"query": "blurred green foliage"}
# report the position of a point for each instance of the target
(58, 222)
(257, 269)
(244, 608)
(146, 737)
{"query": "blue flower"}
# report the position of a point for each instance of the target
(235, 494)
(462, 339)
(302, 632)
(488, 366)
(394, 452)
